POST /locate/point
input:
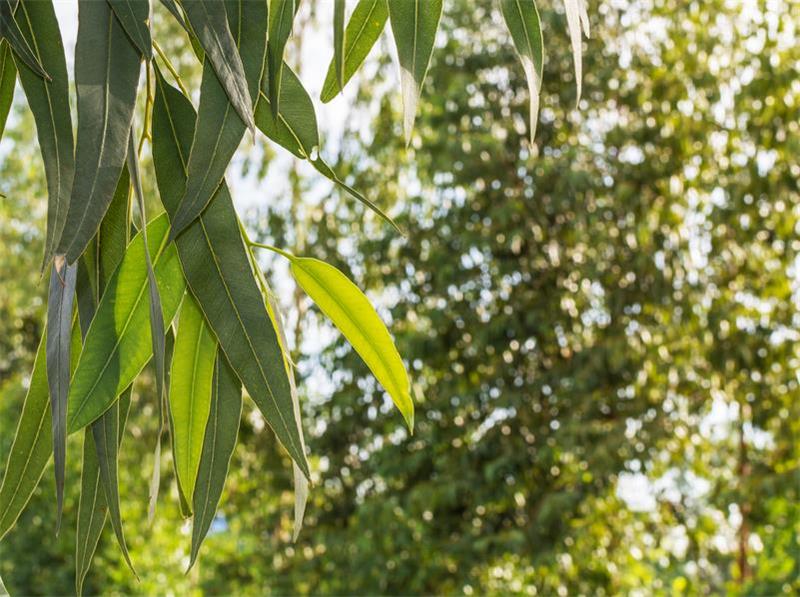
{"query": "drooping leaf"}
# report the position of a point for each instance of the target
(190, 391)
(8, 79)
(49, 102)
(173, 8)
(522, 20)
(93, 505)
(577, 19)
(338, 41)
(219, 130)
(281, 17)
(106, 77)
(11, 32)
(118, 344)
(300, 482)
(33, 440)
(296, 130)
(217, 269)
(155, 478)
(134, 16)
(60, 299)
(114, 234)
(414, 24)
(209, 22)
(363, 30)
(219, 440)
(354, 316)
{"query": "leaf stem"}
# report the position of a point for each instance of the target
(286, 254)
(171, 68)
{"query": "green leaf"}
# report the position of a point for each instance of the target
(522, 20)
(134, 16)
(106, 77)
(49, 102)
(296, 130)
(155, 479)
(93, 503)
(219, 442)
(217, 268)
(190, 391)
(351, 312)
(118, 344)
(219, 130)
(577, 21)
(10, 31)
(338, 41)
(59, 326)
(365, 27)
(33, 440)
(8, 79)
(414, 24)
(281, 17)
(210, 24)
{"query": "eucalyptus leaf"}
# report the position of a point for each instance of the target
(49, 103)
(338, 41)
(106, 77)
(209, 22)
(11, 32)
(219, 441)
(219, 130)
(414, 24)
(281, 17)
(134, 16)
(522, 20)
(118, 344)
(190, 391)
(60, 299)
(363, 30)
(217, 268)
(8, 80)
(577, 20)
(354, 316)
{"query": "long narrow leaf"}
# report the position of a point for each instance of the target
(59, 327)
(10, 31)
(219, 440)
(134, 16)
(49, 102)
(209, 22)
(190, 391)
(296, 130)
(219, 130)
(354, 316)
(363, 30)
(118, 344)
(577, 19)
(216, 266)
(414, 23)
(338, 41)
(522, 20)
(106, 77)
(8, 79)
(281, 17)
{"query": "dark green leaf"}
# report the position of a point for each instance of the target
(209, 22)
(218, 444)
(118, 344)
(59, 326)
(414, 24)
(106, 77)
(365, 27)
(219, 130)
(8, 79)
(49, 102)
(10, 31)
(134, 16)
(173, 8)
(338, 41)
(296, 130)
(523, 23)
(281, 17)
(217, 268)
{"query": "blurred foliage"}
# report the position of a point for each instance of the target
(602, 331)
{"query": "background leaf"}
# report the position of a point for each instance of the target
(106, 77)
(10, 31)
(414, 23)
(353, 314)
(338, 41)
